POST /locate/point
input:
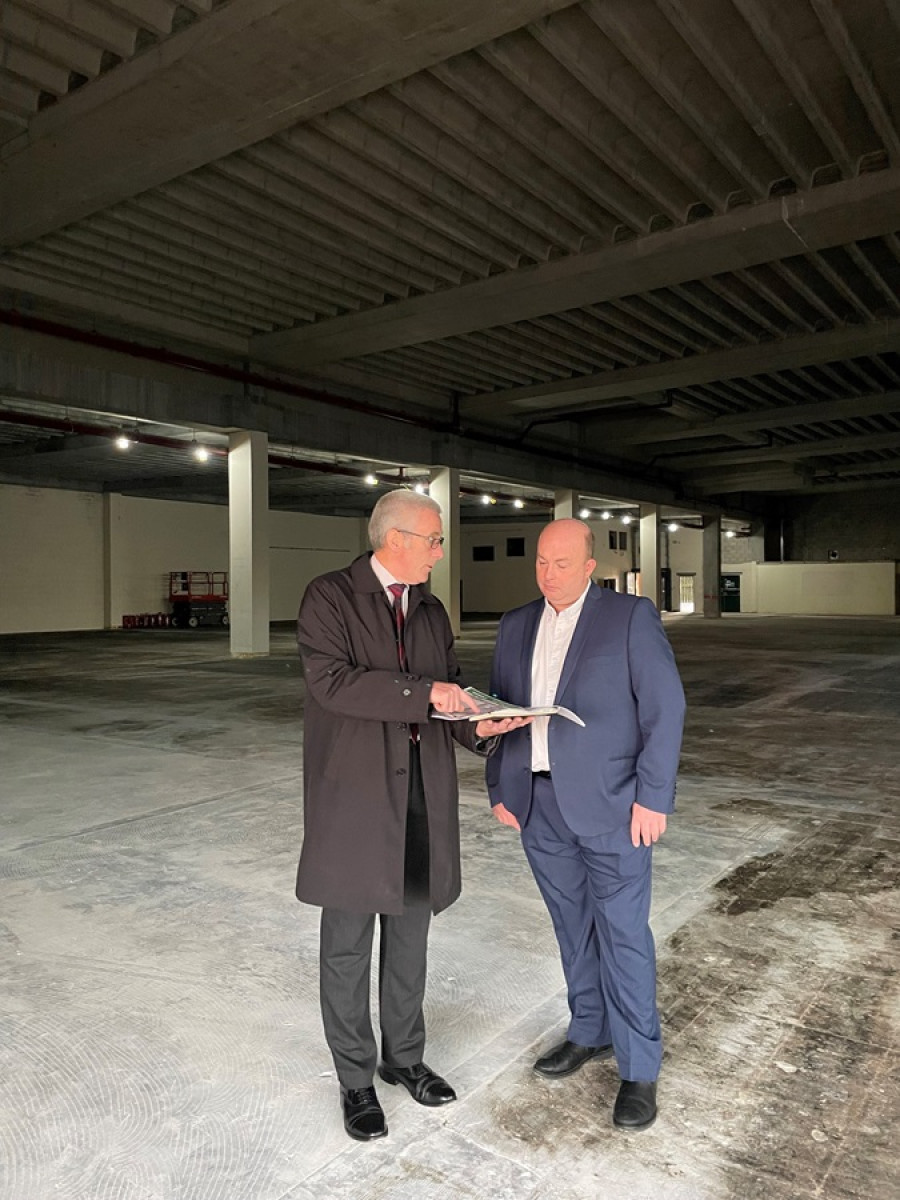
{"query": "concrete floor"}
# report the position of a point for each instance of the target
(161, 1036)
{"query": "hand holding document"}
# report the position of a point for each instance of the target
(489, 708)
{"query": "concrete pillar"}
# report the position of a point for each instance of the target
(712, 566)
(110, 619)
(446, 576)
(650, 552)
(565, 503)
(248, 530)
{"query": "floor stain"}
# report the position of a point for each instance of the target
(829, 861)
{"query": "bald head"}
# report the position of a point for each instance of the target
(564, 561)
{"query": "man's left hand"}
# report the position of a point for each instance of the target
(647, 825)
(486, 729)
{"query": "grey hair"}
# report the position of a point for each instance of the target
(388, 513)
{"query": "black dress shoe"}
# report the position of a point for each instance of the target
(567, 1058)
(635, 1106)
(363, 1115)
(421, 1083)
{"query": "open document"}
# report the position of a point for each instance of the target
(492, 709)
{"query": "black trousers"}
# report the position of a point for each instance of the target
(345, 961)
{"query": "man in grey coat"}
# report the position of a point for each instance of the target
(381, 823)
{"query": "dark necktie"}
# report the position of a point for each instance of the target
(397, 590)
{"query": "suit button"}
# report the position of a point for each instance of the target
(407, 692)
(401, 770)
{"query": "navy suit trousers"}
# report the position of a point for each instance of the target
(597, 890)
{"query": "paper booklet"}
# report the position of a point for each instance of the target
(490, 708)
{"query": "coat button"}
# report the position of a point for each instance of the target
(407, 692)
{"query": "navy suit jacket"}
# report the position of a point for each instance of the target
(620, 677)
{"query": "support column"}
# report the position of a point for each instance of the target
(565, 503)
(447, 574)
(650, 552)
(110, 620)
(248, 529)
(712, 566)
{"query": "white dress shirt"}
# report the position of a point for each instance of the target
(385, 578)
(551, 646)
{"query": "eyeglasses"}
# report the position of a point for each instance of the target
(433, 542)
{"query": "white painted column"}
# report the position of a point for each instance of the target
(712, 566)
(565, 504)
(650, 552)
(110, 619)
(446, 576)
(248, 529)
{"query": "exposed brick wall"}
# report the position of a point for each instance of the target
(861, 526)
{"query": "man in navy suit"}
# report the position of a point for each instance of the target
(590, 802)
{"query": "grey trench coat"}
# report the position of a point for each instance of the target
(359, 705)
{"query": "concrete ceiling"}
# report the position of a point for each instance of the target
(657, 236)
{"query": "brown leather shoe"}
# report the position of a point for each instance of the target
(635, 1106)
(421, 1082)
(363, 1115)
(567, 1058)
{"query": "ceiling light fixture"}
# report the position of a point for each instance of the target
(421, 488)
(672, 527)
(729, 533)
(626, 520)
(584, 513)
(200, 453)
(371, 480)
(605, 515)
(517, 503)
(123, 442)
(486, 499)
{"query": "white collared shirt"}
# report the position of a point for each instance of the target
(551, 646)
(385, 578)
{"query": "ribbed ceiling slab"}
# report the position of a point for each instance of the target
(468, 228)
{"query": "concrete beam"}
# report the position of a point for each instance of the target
(183, 487)
(585, 394)
(63, 372)
(243, 73)
(822, 448)
(69, 444)
(847, 486)
(653, 430)
(799, 224)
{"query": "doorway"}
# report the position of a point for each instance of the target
(686, 593)
(730, 593)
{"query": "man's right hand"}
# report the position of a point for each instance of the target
(450, 698)
(505, 817)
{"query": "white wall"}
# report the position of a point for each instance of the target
(818, 589)
(749, 583)
(150, 538)
(614, 564)
(53, 548)
(51, 560)
(53, 545)
(508, 582)
(304, 546)
(685, 552)
(827, 588)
